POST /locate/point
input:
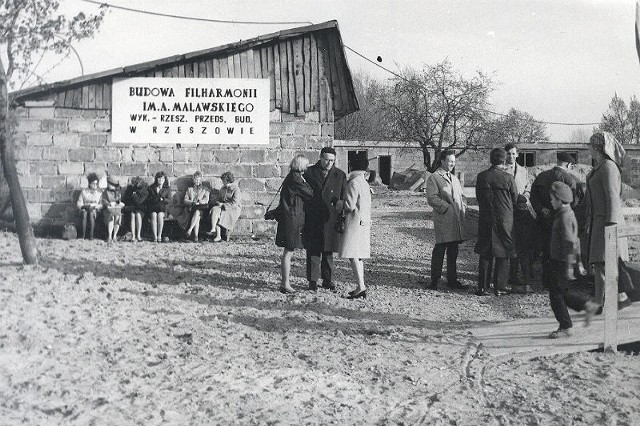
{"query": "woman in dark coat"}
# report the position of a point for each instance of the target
(134, 202)
(295, 192)
(158, 198)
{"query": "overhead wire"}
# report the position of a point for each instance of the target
(221, 21)
(193, 18)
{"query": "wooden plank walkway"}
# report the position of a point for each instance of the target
(527, 338)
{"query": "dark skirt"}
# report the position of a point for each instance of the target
(157, 208)
(289, 233)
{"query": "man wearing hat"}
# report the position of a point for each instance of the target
(541, 202)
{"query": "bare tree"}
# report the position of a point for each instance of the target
(437, 108)
(29, 28)
(516, 127)
(580, 135)
(623, 121)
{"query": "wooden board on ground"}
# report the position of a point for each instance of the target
(527, 338)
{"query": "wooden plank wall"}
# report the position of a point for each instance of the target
(307, 73)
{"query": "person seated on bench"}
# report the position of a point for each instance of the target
(226, 210)
(157, 202)
(89, 203)
(112, 208)
(134, 197)
(196, 199)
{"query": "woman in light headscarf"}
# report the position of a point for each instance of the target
(604, 204)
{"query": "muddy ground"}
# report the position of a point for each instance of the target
(184, 333)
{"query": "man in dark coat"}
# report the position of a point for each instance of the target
(541, 202)
(497, 194)
(320, 237)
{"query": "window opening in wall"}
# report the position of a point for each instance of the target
(573, 154)
(527, 159)
(384, 168)
(352, 155)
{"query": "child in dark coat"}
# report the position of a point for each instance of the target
(564, 255)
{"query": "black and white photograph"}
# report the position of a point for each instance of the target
(319, 212)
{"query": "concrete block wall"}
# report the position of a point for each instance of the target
(57, 147)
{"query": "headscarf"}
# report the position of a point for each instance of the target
(606, 143)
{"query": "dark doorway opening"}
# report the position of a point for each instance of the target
(384, 168)
(352, 155)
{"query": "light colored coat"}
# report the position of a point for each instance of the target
(230, 199)
(356, 239)
(604, 205)
(444, 194)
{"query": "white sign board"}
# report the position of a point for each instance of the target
(190, 111)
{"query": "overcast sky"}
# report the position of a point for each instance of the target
(559, 60)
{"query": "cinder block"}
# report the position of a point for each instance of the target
(286, 117)
(264, 228)
(77, 182)
(29, 153)
(19, 140)
(68, 112)
(263, 198)
(109, 155)
(133, 169)
(81, 154)
(281, 129)
(20, 112)
(113, 169)
(57, 125)
(251, 184)
(93, 140)
(266, 171)
(69, 140)
(40, 139)
(184, 169)
(70, 169)
(327, 129)
(292, 142)
(238, 170)
(153, 168)
(316, 142)
(307, 129)
(213, 169)
(102, 125)
(184, 154)
(253, 156)
(127, 154)
(252, 212)
(204, 155)
(55, 181)
(28, 125)
(94, 167)
(273, 184)
(34, 210)
(62, 195)
(55, 153)
(29, 181)
(166, 155)
(80, 125)
(275, 115)
(47, 112)
(23, 168)
(312, 116)
(273, 155)
(227, 155)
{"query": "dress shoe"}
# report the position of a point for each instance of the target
(560, 333)
(285, 290)
(457, 285)
(329, 285)
(210, 233)
(358, 295)
(313, 286)
(625, 303)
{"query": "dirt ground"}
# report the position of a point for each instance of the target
(185, 333)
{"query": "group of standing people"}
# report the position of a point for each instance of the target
(325, 211)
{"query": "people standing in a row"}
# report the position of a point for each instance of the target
(294, 193)
(444, 195)
(319, 236)
(496, 193)
(541, 202)
(523, 226)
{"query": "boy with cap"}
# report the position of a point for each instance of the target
(564, 255)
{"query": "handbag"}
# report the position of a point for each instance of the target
(277, 213)
(69, 232)
(340, 223)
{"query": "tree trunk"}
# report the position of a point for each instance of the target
(426, 157)
(20, 213)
